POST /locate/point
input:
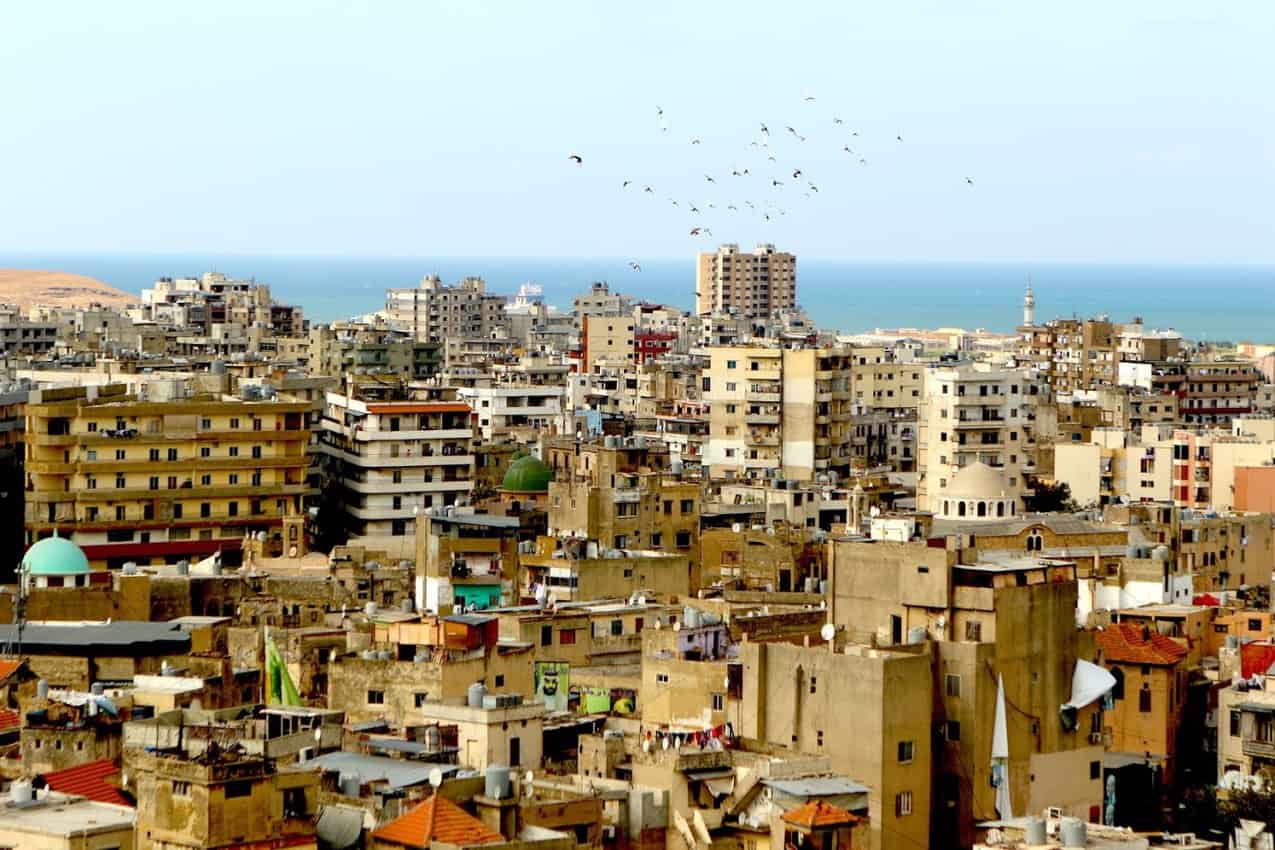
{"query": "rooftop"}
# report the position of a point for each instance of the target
(1138, 645)
(62, 815)
(437, 819)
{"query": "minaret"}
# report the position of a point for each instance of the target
(1029, 304)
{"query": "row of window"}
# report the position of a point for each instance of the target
(171, 454)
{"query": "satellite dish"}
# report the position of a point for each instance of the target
(318, 734)
(677, 627)
(436, 777)
(828, 632)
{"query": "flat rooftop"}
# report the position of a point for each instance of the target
(65, 816)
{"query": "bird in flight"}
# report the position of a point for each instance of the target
(635, 267)
(775, 183)
(766, 216)
(694, 209)
(625, 184)
(836, 120)
(749, 204)
(899, 138)
(969, 180)
(810, 98)
(847, 149)
(649, 190)
(732, 207)
(791, 130)
(674, 203)
(765, 131)
(576, 158)
(862, 161)
(709, 178)
(707, 232)
(695, 231)
(771, 157)
(814, 188)
(796, 172)
(659, 111)
(695, 141)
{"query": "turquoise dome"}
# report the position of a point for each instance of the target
(527, 475)
(55, 556)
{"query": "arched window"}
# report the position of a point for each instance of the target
(1000, 509)
(947, 511)
(982, 508)
(960, 508)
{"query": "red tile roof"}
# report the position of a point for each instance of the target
(819, 814)
(1132, 644)
(88, 780)
(437, 819)
(10, 720)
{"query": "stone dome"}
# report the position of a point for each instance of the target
(976, 481)
(527, 475)
(55, 556)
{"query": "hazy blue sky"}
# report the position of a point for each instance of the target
(1093, 130)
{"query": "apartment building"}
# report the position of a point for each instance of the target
(600, 301)
(975, 441)
(607, 340)
(345, 348)
(213, 302)
(387, 460)
(1215, 391)
(754, 285)
(523, 411)
(434, 312)
(20, 335)
(992, 617)
(778, 412)
(1072, 354)
(162, 481)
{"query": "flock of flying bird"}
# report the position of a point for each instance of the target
(777, 181)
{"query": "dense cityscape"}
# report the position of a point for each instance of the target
(476, 570)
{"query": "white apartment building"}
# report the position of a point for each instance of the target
(520, 410)
(433, 312)
(393, 458)
(975, 442)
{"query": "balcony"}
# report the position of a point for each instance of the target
(1254, 748)
(762, 418)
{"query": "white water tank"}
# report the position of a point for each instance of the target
(497, 782)
(1035, 832)
(21, 792)
(1072, 833)
(475, 694)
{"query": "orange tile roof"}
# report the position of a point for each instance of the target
(1130, 644)
(88, 780)
(437, 819)
(10, 720)
(9, 666)
(817, 813)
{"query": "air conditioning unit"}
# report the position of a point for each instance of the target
(305, 754)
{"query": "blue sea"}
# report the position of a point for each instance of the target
(1215, 303)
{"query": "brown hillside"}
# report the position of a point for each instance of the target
(26, 287)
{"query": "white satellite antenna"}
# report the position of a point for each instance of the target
(828, 632)
(436, 777)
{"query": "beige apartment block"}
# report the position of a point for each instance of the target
(128, 479)
(607, 341)
(756, 285)
(778, 412)
(868, 710)
(976, 441)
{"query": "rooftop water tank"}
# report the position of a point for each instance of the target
(1034, 834)
(497, 782)
(42, 689)
(916, 635)
(691, 618)
(21, 791)
(475, 694)
(370, 609)
(1072, 833)
(350, 784)
(1160, 553)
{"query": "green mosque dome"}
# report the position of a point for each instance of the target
(527, 475)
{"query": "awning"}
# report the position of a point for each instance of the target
(1257, 707)
(1090, 682)
(721, 787)
(709, 773)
